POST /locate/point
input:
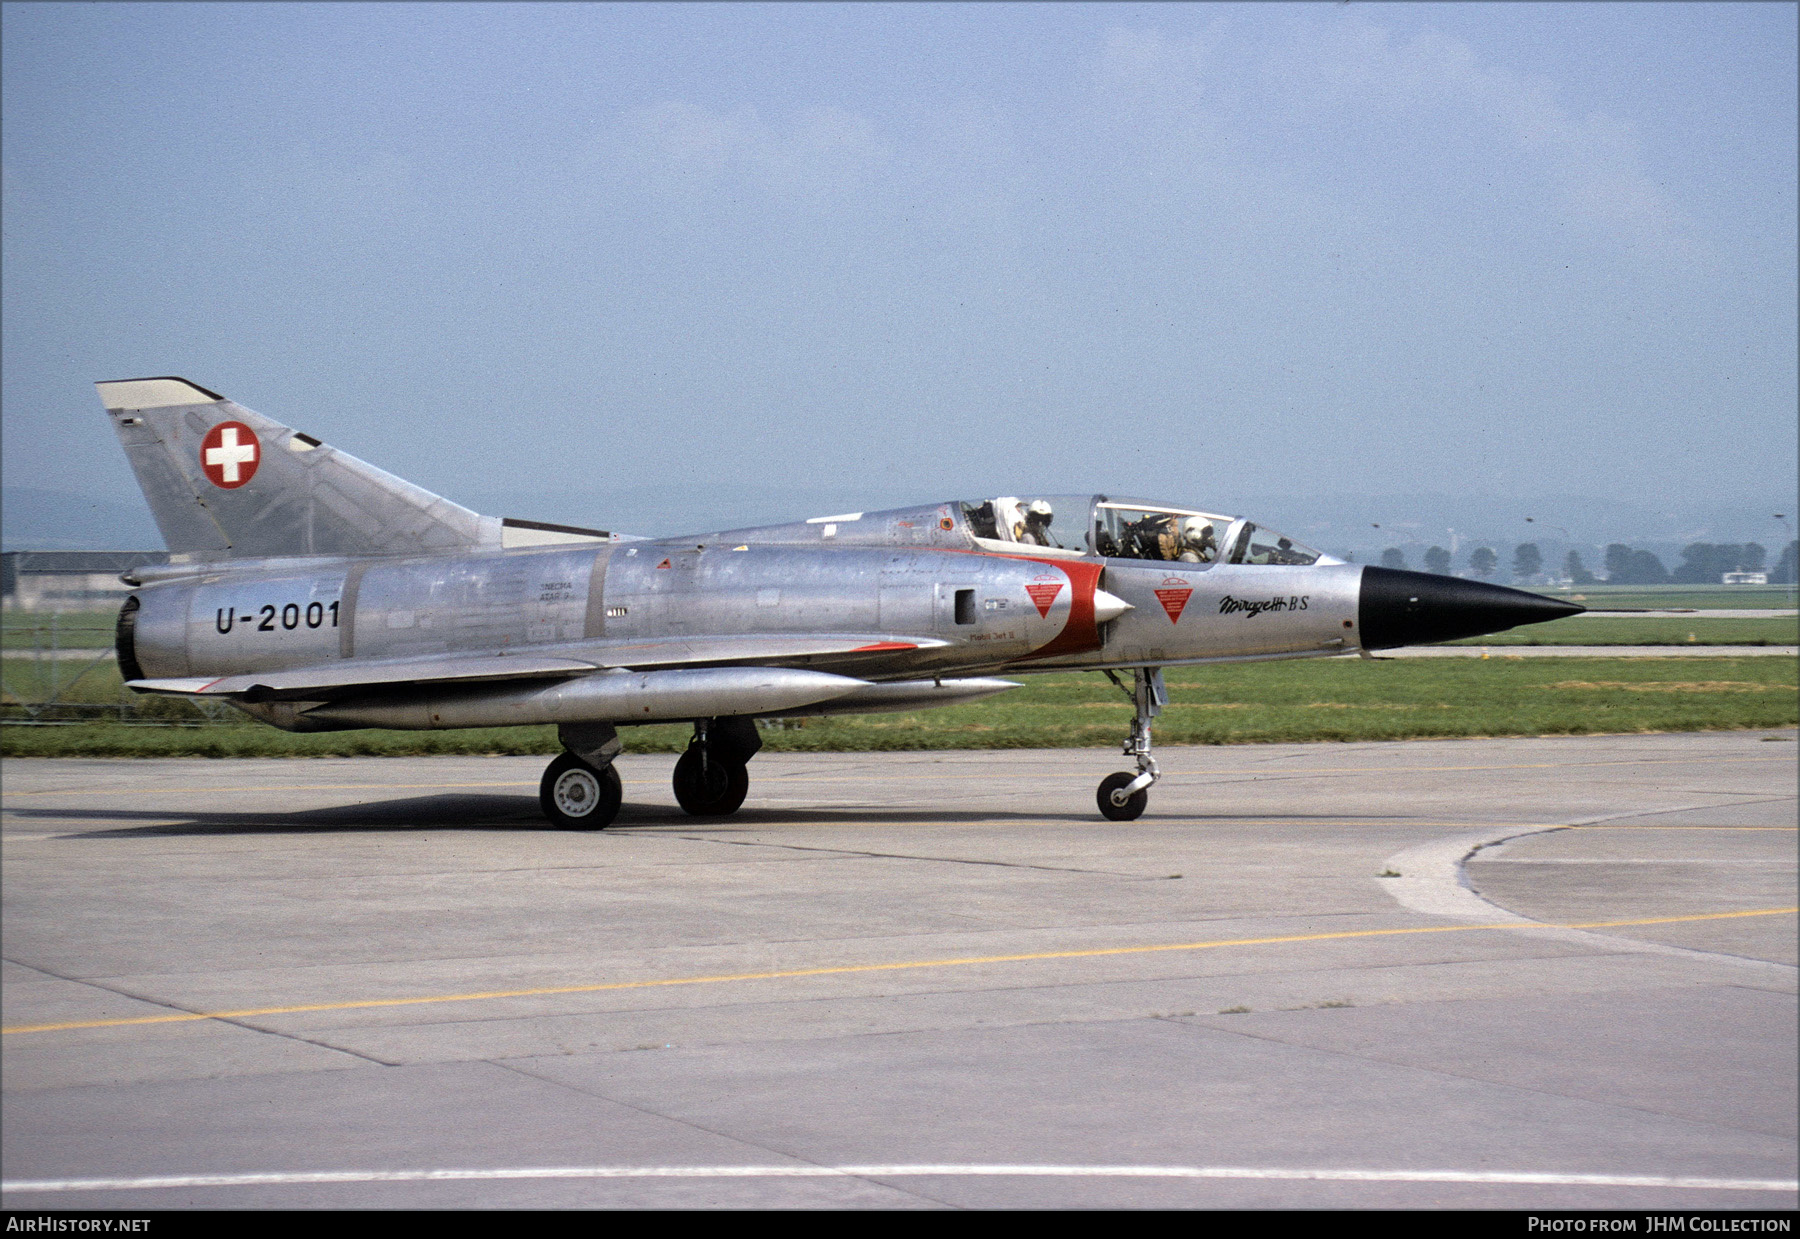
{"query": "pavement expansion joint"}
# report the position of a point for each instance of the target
(846, 853)
(180, 1013)
(314, 1042)
(38, 968)
(1749, 798)
(798, 1161)
(95, 983)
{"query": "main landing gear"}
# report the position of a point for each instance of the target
(711, 779)
(1122, 796)
(581, 790)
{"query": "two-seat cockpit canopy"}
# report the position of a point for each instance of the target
(1120, 528)
(1056, 526)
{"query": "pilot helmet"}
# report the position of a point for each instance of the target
(1195, 531)
(1039, 509)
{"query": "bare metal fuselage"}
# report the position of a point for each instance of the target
(933, 615)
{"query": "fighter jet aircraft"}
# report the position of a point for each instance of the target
(315, 592)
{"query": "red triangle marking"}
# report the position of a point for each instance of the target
(664, 564)
(1173, 601)
(1043, 595)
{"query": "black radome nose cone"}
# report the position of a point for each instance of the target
(1419, 608)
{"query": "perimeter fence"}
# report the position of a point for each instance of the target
(59, 669)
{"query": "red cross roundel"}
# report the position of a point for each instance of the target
(230, 454)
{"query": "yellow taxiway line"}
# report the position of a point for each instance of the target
(846, 969)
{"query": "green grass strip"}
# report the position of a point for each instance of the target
(1247, 703)
(1648, 630)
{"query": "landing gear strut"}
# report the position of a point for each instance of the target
(581, 790)
(711, 779)
(1122, 796)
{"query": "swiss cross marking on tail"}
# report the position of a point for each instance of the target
(229, 454)
(1043, 595)
(1174, 597)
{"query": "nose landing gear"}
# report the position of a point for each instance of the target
(1122, 796)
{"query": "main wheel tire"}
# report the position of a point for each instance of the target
(577, 796)
(714, 787)
(1134, 803)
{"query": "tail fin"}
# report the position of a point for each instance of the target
(224, 482)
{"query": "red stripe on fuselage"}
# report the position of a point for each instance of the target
(1080, 634)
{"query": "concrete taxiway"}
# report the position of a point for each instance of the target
(1553, 973)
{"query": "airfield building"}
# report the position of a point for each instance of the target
(49, 581)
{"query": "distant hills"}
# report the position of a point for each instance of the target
(1347, 523)
(34, 518)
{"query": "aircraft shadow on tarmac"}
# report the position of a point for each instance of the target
(512, 813)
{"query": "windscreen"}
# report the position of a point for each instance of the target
(1265, 546)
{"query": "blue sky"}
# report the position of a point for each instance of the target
(585, 254)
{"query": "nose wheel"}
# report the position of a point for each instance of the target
(1123, 796)
(1118, 803)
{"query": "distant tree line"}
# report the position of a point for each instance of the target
(1577, 571)
(1702, 563)
(1787, 568)
(1482, 560)
(1625, 566)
